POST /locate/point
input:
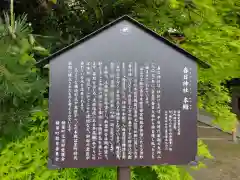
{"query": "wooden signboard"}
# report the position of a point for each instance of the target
(123, 96)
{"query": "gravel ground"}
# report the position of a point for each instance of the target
(226, 165)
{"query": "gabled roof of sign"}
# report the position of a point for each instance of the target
(234, 82)
(133, 21)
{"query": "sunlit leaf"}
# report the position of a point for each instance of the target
(41, 50)
(31, 39)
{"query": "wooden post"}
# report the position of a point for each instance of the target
(123, 173)
(234, 134)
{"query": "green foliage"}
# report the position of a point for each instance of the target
(21, 86)
(202, 154)
(72, 20)
(27, 159)
(212, 34)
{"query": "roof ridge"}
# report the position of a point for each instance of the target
(133, 21)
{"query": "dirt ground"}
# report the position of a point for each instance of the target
(226, 164)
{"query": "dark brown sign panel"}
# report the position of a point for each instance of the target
(122, 98)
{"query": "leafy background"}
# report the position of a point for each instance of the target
(31, 30)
